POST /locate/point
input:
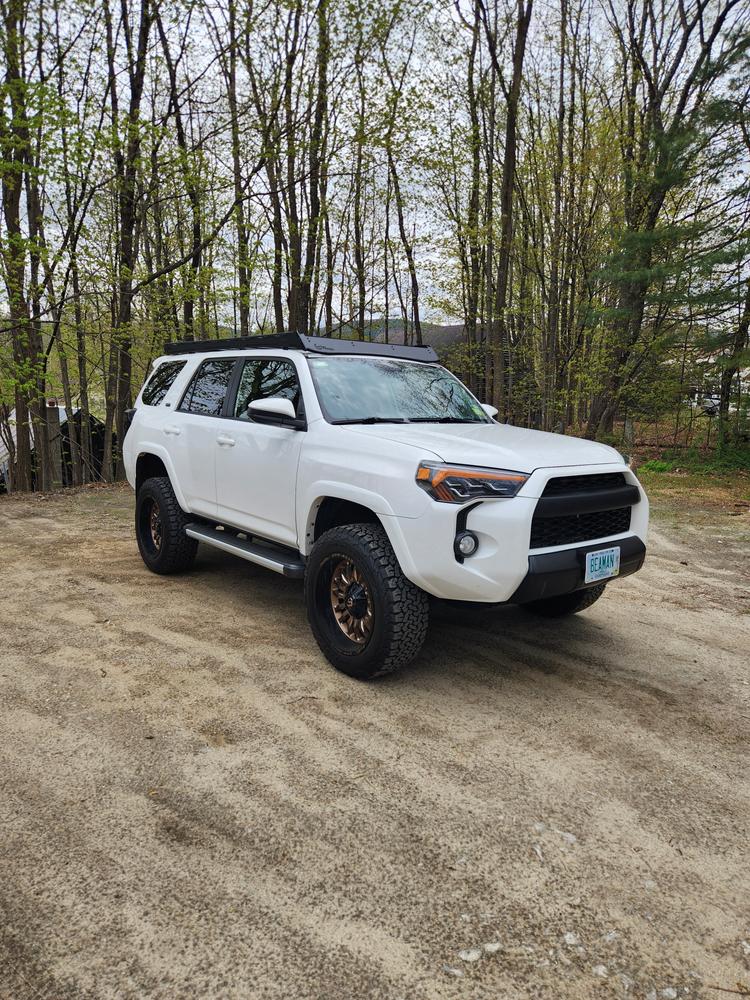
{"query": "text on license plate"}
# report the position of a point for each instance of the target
(603, 564)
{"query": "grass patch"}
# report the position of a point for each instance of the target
(657, 465)
(702, 481)
(708, 490)
(728, 459)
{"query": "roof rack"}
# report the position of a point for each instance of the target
(301, 342)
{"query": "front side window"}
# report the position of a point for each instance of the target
(370, 390)
(161, 382)
(266, 378)
(208, 388)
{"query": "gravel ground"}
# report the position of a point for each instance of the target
(193, 804)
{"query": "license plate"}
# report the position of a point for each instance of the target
(602, 565)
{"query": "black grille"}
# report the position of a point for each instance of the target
(583, 484)
(578, 527)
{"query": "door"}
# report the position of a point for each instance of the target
(191, 433)
(256, 464)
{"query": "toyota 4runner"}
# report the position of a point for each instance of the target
(373, 474)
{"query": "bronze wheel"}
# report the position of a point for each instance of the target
(351, 602)
(154, 523)
(367, 618)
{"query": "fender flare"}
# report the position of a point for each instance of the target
(330, 489)
(160, 452)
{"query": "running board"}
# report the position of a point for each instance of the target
(262, 555)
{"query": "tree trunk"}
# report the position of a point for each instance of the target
(307, 319)
(408, 249)
(27, 349)
(500, 330)
(473, 277)
(732, 365)
(243, 265)
(126, 167)
(191, 187)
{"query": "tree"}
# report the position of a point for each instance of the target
(669, 59)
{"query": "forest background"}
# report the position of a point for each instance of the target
(555, 194)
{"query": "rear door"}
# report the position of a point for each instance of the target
(256, 464)
(192, 432)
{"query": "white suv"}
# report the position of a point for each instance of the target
(373, 473)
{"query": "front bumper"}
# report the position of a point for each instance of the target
(505, 558)
(553, 573)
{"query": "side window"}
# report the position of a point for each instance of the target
(265, 377)
(208, 388)
(161, 382)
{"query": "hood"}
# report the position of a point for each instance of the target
(495, 446)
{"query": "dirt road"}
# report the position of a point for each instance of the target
(194, 805)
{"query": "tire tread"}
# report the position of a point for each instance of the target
(408, 606)
(180, 552)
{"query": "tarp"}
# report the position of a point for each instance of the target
(5, 455)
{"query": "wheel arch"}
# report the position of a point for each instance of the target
(335, 511)
(153, 461)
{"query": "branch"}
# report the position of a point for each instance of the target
(186, 258)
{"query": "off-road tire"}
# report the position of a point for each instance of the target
(400, 610)
(566, 604)
(176, 551)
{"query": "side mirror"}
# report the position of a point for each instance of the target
(274, 411)
(489, 409)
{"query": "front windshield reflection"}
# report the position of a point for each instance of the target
(385, 389)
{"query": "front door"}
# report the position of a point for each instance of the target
(256, 464)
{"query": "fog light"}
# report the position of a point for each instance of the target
(466, 544)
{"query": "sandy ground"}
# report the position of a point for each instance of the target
(194, 805)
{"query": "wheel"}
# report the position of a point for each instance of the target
(160, 528)
(367, 618)
(566, 604)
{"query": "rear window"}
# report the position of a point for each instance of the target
(207, 391)
(161, 382)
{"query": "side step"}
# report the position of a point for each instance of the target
(262, 555)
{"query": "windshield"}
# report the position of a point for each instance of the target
(385, 390)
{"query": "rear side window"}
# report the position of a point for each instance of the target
(208, 388)
(161, 382)
(263, 378)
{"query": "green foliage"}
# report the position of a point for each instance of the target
(467, 361)
(629, 241)
(657, 465)
(727, 459)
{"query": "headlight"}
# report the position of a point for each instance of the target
(461, 483)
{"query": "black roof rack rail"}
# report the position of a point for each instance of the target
(301, 342)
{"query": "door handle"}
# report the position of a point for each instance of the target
(225, 442)
(171, 429)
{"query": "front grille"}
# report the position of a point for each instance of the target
(573, 528)
(583, 484)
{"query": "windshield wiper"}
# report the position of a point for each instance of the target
(446, 420)
(373, 420)
(409, 420)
